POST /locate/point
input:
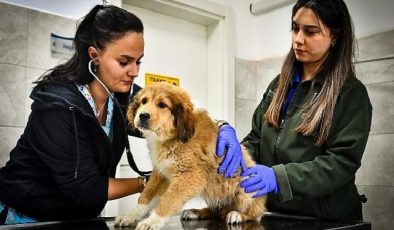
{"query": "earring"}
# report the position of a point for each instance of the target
(333, 43)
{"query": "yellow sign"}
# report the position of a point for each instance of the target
(151, 78)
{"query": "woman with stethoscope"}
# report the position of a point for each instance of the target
(63, 165)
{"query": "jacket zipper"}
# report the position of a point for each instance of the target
(282, 123)
(94, 118)
(279, 138)
(72, 109)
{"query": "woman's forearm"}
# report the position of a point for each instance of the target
(121, 187)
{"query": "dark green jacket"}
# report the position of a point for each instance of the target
(314, 180)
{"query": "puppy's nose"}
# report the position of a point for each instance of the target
(144, 117)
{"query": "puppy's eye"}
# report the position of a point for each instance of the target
(144, 100)
(162, 105)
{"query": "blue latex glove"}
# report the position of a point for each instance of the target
(228, 144)
(262, 180)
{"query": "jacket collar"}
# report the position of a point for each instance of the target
(318, 80)
(59, 95)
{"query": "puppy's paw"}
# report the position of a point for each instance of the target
(153, 222)
(136, 214)
(190, 214)
(125, 220)
(234, 217)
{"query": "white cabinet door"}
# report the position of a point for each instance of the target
(174, 47)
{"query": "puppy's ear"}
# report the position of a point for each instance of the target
(132, 109)
(184, 121)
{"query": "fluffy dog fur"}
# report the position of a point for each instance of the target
(182, 145)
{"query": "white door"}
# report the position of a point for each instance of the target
(179, 48)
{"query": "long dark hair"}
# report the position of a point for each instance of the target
(102, 25)
(336, 67)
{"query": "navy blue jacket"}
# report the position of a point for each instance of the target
(60, 166)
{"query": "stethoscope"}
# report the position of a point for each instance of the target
(130, 157)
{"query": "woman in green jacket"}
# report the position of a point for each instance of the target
(310, 130)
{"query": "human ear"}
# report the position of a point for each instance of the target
(93, 54)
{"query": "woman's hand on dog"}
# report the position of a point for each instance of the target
(229, 146)
(261, 179)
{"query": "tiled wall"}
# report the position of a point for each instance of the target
(25, 55)
(375, 177)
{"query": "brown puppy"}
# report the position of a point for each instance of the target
(182, 145)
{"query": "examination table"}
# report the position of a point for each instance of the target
(271, 221)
